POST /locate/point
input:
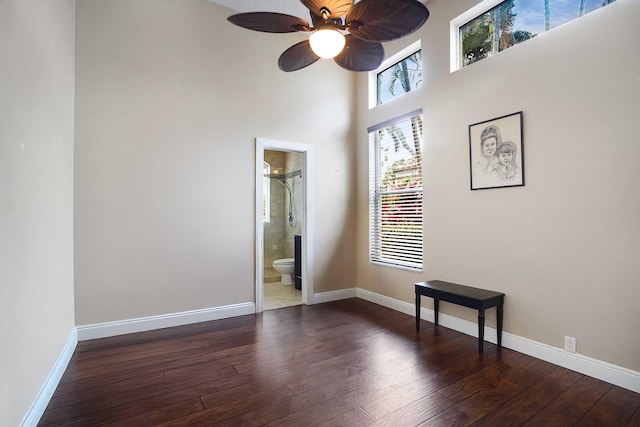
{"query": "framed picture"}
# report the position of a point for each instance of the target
(495, 152)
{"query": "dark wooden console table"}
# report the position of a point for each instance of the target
(467, 296)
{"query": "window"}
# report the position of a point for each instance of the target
(493, 26)
(266, 192)
(401, 73)
(395, 192)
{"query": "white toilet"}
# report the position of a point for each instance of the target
(285, 267)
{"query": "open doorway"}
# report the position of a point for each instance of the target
(283, 232)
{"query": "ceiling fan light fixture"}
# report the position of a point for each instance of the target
(327, 42)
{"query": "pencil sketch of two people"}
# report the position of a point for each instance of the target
(498, 158)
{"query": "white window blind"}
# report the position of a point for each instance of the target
(395, 192)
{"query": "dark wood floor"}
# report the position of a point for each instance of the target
(345, 363)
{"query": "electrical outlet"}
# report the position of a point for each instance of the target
(570, 344)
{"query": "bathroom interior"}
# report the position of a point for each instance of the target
(282, 209)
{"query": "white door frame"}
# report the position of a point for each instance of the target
(307, 229)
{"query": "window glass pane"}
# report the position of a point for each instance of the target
(400, 155)
(402, 77)
(514, 21)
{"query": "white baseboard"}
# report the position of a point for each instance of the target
(613, 374)
(53, 379)
(605, 371)
(141, 324)
(334, 295)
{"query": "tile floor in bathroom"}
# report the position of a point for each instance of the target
(277, 295)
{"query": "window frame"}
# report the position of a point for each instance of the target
(386, 64)
(375, 231)
(458, 22)
(475, 12)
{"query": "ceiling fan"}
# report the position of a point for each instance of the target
(349, 33)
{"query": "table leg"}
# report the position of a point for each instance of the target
(436, 304)
(480, 330)
(499, 326)
(417, 311)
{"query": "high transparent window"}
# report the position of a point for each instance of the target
(400, 78)
(514, 21)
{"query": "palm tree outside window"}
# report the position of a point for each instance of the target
(514, 21)
(400, 78)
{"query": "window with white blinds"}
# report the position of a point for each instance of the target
(395, 192)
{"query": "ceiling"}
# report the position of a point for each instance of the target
(291, 7)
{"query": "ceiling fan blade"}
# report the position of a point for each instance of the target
(269, 22)
(336, 8)
(375, 20)
(360, 55)
(297, 57)
(315, 19)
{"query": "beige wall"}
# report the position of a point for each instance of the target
(168, 102)
(170, 99)
(36, 196)
(565, 247)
